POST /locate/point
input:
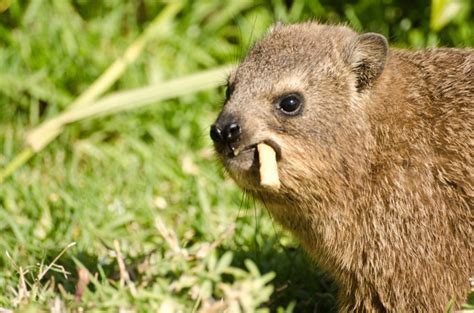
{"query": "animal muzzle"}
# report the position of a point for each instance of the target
(226, 134)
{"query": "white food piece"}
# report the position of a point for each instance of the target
(268, 166)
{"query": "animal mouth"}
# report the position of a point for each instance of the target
(235, 152)
(243, 163)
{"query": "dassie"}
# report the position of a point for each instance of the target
(375, 151)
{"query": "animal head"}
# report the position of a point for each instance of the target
(301, 90)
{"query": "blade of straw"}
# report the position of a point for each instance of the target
(115, 71)
(117, 102)
(129, 100)
(102, 84)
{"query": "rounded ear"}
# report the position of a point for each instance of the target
(366, 56)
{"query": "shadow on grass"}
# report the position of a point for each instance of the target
(298, 280)
(90, 261)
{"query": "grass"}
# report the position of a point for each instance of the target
(131, 211)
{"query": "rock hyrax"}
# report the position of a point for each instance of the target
(375, 151)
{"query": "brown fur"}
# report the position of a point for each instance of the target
(377, 170)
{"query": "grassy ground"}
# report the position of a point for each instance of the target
(131, 212)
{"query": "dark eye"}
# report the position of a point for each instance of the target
(290, 104)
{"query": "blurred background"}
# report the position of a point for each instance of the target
(130, 211)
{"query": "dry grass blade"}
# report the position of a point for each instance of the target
(83, 281)
(115, 71)
(18, 161)
(43, 272)
(128, 100)
(102, 84)
(114, 103)
(170, 237)
(124, 276)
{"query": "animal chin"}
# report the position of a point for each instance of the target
(241, 161)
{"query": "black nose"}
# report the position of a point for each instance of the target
(229, 134)
(216, 134)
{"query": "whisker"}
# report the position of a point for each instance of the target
(256, 227)
(278, 234)
(242, 201)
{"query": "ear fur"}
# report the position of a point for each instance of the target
(366, 56)
(275, 26)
